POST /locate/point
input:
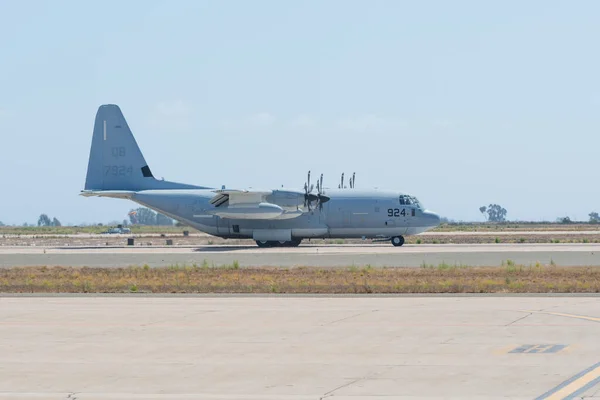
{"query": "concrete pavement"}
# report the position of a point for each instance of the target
(299, 348)
(305, 255)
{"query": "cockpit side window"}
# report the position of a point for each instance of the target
(406, 200)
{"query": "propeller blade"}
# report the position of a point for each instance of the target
(305, 194)
(321, 184)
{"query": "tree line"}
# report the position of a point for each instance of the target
(146, 216)
(138, 216)
(497, 213)
(44, 220)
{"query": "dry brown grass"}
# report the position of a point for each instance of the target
(443, 278)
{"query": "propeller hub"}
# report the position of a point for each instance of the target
(310, 197)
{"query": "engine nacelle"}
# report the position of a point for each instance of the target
(249, 211)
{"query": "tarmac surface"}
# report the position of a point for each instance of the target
(306, 255)
(299, 348)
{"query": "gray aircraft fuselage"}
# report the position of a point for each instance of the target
(350, 213)
(117, 169)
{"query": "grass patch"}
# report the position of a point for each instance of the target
(441, 278)
(443, 266)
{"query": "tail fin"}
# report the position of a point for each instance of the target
(116, 162)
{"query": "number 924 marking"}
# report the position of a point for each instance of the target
(396, 212)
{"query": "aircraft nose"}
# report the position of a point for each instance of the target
(432, 219)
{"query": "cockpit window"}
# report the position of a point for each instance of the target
(406, 200)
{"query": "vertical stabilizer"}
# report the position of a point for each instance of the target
(116, 162)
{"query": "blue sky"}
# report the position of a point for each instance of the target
(460, 103)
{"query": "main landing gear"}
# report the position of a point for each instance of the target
(278, 243)
(397, 240)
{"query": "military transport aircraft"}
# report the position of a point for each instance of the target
(278, 217)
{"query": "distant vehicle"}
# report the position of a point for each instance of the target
(117, 231)
(280, 217)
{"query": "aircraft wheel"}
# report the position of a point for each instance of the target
(291, 243)
(398, 240)
(295, 242)
(264, 243)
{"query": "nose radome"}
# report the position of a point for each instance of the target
(432, 218)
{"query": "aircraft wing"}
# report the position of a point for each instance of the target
(239, 196)
(253, 204)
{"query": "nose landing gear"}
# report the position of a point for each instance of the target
(397, 240)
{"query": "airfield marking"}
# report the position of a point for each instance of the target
(538, 348)
(574, 386)
(584, 317)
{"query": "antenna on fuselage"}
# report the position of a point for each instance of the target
(352, 180)
(341, 185)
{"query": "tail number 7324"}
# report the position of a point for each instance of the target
(396, 212)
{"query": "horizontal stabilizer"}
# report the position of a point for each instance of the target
(117, 194)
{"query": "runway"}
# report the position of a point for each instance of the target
(305, 255)
(308, 348)
(325, 256)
